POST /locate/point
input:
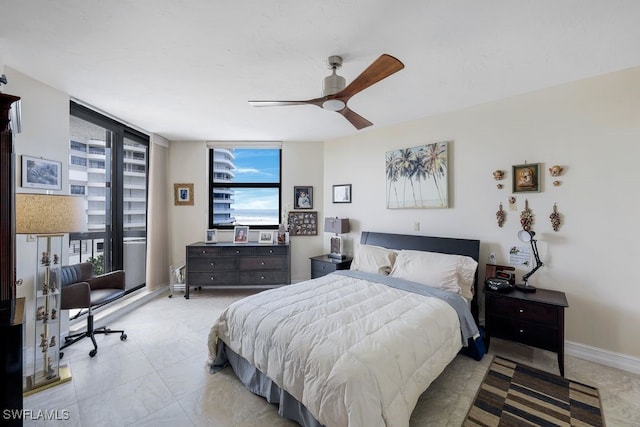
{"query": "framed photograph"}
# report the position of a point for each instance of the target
(211, 237)
(342, 193)
(303, 223)
(183, 194)
(303, 197)
(417, 177)
(265, 237)
(41, 173)
(526, 178)
(241, 234)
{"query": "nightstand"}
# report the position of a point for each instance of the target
(321, 265)
(535, 319)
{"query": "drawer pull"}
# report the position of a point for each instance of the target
(212, 278)
(521, 310)
(261, 277)
(212, 263)
(270, 251)
(521, 331)
(204, 252)
(237, 252)
(262, 263)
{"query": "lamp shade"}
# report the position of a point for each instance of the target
(49, 214)
(336, 225)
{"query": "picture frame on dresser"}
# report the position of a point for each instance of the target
(241, 234)
(211, 236)
(265, 237)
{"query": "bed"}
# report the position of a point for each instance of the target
(356, 347)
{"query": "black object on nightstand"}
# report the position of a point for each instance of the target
(535, 319)
(323, 264)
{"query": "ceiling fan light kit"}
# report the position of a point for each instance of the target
(335, 95)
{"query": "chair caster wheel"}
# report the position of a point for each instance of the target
(123, 337)
(93, 352)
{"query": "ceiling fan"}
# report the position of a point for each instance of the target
(335, 95)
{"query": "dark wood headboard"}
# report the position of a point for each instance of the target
(445, 245)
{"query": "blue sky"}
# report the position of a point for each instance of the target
(257, 165)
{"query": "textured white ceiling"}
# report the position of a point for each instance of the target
(185, 69)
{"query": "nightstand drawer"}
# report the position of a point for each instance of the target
(319, 269)
(518, 309)
(532, 334)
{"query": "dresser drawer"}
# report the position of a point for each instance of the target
(226, 278)
(272, 250)
(198, 251)
(263, 263)
(238, 250)
(517, 309)
(267, 277)
(533, 334)
(213, 263)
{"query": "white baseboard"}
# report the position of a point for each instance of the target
(603, 357)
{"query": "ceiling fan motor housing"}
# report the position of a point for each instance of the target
(333, 83)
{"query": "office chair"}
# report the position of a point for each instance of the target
(81, 289)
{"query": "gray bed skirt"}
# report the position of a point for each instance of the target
(260, 384)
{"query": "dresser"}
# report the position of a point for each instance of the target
(323, 264)
(535, 319)
(233, 266)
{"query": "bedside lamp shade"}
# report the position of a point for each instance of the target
(49, 214)
(336, 225)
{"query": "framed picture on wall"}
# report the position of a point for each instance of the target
(303, 197)
(342, 193)
(41, 173)
(183, 194)
(526, 178)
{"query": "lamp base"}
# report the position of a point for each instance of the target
(525, 288)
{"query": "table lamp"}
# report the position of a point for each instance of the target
(528, 237)
(338, 226)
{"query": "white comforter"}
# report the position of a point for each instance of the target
(355, 353)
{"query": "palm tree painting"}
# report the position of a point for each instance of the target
(417, 177)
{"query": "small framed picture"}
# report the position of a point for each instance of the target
(265, 237)
(183, 194)
(342, 193)
(41, 173)
(526, 178)
(211, 237)
(303, 197)
(241, 234)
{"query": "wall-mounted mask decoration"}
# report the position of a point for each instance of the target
(526, 217)
(556, 170)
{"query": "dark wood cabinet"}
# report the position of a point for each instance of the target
(535, 319)
(11, 309)
(230, 265)
(323, 264)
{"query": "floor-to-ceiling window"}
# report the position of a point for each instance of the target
(108, 164)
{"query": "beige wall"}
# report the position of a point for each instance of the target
(590, 127)
(301, 165)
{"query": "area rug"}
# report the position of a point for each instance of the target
(513, 394)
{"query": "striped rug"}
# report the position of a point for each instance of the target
(513, 394)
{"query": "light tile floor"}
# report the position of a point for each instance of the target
(158, 377)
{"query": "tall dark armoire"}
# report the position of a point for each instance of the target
(11, 308)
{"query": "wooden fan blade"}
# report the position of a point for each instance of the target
(380, 69)
(354, 118)
(277, 103)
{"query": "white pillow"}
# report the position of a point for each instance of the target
(453, 273)
(373, 259)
